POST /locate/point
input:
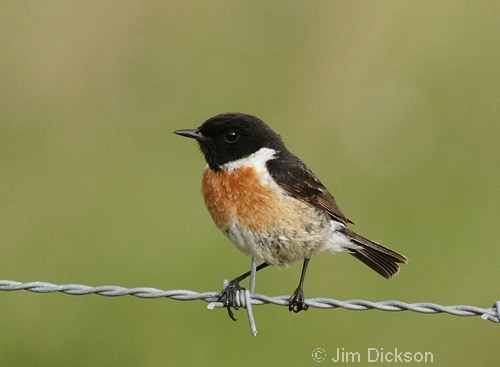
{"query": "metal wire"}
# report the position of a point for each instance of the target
(246, 298)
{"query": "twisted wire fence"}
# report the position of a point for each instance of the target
(246, 299)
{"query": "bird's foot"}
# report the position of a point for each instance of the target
(229, 295)
(297, 301)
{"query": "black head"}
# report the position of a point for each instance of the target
(231, 136)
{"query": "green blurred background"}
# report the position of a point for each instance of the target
(394, 104)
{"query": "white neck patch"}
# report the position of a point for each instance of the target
(257, 160)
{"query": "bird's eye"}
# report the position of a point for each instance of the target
(231, 136)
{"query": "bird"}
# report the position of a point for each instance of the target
(272, 206)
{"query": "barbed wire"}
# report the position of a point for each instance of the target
(245, 299)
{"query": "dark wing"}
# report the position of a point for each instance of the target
(295, 178)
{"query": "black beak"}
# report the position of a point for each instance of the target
(191, 133)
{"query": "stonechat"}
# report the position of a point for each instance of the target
(272, 206)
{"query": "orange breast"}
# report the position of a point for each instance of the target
(239, 193)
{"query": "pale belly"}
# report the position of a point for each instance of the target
(289, 239)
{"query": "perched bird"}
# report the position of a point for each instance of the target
(271, 205)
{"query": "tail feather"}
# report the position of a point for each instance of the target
(381, 259)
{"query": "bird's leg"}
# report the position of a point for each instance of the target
(297, 300)
(230, 292)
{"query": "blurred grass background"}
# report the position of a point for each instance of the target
(394, 104)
